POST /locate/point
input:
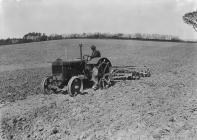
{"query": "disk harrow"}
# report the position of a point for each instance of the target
(119, 73)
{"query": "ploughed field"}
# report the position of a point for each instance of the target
(163, 106)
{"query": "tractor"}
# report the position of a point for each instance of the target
(68, 76)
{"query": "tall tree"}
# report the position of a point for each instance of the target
(191, 19)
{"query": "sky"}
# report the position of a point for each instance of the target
(18, 17)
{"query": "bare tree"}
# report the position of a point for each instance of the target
(191, 19)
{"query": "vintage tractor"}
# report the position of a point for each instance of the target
(68, 76)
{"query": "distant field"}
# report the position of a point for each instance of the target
(119, 51)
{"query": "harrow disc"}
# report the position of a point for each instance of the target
(129, 72)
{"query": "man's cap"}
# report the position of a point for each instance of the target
(93, 47)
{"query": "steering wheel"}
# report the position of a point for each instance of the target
(87, 57)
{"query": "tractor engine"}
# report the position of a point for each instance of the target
(57, 67)
(57, 72)
(62, 71)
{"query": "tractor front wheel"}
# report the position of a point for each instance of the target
(46, 85)
(75, 86)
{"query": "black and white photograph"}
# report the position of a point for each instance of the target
(98, 69)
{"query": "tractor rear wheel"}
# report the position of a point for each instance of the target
(104, 73)
(104, 66)
(75, 86)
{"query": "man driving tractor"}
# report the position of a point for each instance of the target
(95, 52)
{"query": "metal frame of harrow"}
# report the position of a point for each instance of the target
(119, 73)
(129, 72)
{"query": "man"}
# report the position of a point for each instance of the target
(95, 54)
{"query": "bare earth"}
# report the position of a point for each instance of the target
(161, 107)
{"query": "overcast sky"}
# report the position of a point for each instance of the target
(18, 17)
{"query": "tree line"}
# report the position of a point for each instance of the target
(189, 18)
(37, 37)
